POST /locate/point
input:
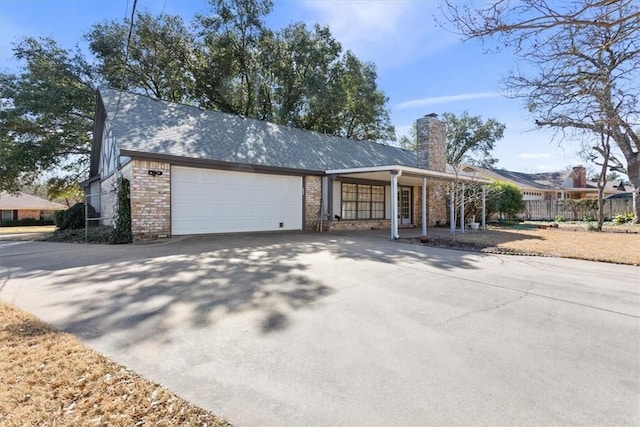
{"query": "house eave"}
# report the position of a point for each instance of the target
(411, 171)
(217, 164)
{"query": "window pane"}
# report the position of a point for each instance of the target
(377, 193)
(349, 192)
(362, 201)
(7, 215)
(349, 210)
(364, 193)
(377, 210)
(364, 210)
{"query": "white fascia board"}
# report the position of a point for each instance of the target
(412, 171)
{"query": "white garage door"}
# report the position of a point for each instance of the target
(212, 201)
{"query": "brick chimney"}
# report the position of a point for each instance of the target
(579, 177)
(431, 136)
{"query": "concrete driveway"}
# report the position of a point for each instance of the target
(322, 329)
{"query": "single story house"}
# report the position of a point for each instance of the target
(195, 171)
(570, 184)
(23, 206)
(628, 195)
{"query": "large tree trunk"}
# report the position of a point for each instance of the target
(602, 182)
(633, 171)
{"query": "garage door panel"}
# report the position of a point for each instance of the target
(211, 201)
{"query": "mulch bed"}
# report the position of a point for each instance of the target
(452, 243)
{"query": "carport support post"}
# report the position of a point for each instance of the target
(462, 208)
(424, 206)
(452, 208)
(484, 207)
(394, 204)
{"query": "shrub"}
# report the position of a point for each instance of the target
(560, 218)
(73, 218)
(624, 218)
(122, 232)
(592, 226)
(505, 199)
(95, 234)
(58, 218)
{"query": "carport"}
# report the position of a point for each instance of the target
(403, 175)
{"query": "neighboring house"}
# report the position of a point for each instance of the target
(23, 206)
(564, 185)
(194, 171)
(621, 196)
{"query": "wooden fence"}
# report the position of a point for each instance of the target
(549, 210)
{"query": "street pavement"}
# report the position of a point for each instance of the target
(292, 329)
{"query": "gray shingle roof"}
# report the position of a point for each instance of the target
(539, 181)
(146, 125)
(549, 181)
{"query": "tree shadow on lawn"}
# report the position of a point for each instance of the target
(202, 280)
(487, 240)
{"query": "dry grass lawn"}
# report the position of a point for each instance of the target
(48, 378)
(35, 229)
(616, 244)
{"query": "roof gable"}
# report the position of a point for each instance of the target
(144, 125)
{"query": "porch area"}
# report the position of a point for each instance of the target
(416, 199)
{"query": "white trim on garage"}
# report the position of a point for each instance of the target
(216, 201)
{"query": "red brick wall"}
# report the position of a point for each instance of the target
(374, 224)
(436, 204)
(580, 177)
(312, 202)
(23, 214)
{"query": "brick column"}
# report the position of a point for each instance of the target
(150, 200)
(312, 202)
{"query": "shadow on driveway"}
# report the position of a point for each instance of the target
(197, 279)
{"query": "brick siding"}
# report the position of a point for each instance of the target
(432, 136)
(312, 202)
(28, 213)
(379, 224)
(150, 200)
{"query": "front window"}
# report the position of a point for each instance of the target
(362, 201)
(7, 215)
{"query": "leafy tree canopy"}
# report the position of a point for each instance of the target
(227, 60)
(46, 114)
(471, 140)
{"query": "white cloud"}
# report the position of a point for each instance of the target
(437, 100)
(389, 33)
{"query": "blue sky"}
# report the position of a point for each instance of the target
(422, 68)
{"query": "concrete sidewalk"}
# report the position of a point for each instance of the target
(326, 329)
